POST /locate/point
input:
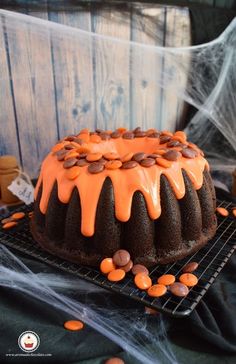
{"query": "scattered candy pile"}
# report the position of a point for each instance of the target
(116, 268)
(13, 220)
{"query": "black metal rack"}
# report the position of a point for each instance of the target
(211, 259)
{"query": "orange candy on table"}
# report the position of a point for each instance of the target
(107, 265)
(234, 212)
(73, 172)
(9, 225)
(188, 279)
(142, 281)
(157, 290)
(18, 215)
(116, 275)
(114, 360)
(166, 279)
(73, 325)
(222, 211)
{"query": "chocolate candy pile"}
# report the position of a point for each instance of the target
(75, 152)
(116, 268)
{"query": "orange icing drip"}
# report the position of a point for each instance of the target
(125, 181)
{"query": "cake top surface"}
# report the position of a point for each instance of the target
(133, 160)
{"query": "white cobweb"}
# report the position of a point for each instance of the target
(127, 326)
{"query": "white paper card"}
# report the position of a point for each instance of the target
(22, 189)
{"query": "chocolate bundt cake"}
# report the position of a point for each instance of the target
(148, 192)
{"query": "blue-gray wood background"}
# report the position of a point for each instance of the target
(53, 86)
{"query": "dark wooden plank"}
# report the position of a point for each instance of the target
(9, 143)
(147, 28)
(111, 67)
(33, 87)
(73, 69)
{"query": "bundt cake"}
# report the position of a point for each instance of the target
(148, 192)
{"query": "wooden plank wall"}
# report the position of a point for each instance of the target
(51, 87)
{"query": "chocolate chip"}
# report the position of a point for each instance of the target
(140, 134)
(128, 266)
(121, 257)
(129, 165)
(190, 267)
(95, 167)
(105, 136)
(69, 146)
(139, 268)
(79, 141)
(99, 131)
(188, 153)
(179, 289)
(128, 135)
(139, 156)
(148, 162)
(70, 162)
(70, 138)
(61, 154)
(82, 163)
(83, 155)
(154, 155)
(164, 139)
(154, 135)
(102, 160)
(173, 143)
(172, 155)
(136, 130)
(116, 134)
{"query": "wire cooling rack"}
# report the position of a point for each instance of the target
(211, 259)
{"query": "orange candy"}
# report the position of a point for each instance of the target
(234, 212)
(83, 149)
(85, 137)
(121, 130)
(163, 162)
(57, 147)
(157, 290)
(188, 279)
(18, 215)
(111, 156)
(9, 225)
(71, 154)
(116, 275)
(107, 265)
(73, 172)
(178, 138)
(113, 164)
(142, 281)
(84, 131)
(95, 138)
(166, 279)
(181, 134)
(93, 157)
(222, 211)
(166, 132)
(160, 151)
(127, 157)
(114, 360)
(73, 325)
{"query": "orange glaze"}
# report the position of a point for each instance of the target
(125, 181)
